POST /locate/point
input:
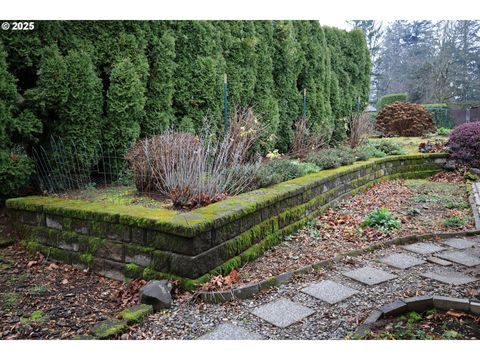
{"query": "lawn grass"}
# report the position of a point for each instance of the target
(410, 144)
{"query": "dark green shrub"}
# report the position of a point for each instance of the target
(388, 147)
(390, 99)
(366, 152)
(15, 171)
(382, 219)
(440, 115)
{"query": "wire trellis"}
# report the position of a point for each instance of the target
(63, 166)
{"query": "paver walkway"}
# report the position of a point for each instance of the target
(329, 304)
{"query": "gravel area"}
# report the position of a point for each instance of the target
(192, 318)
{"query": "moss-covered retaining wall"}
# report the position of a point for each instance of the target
(118, 240)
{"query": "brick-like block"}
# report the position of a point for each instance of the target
(447, 303)
(396, 308)
(217, 296)
(475, 307)
(284, 278)
(54, 222)
(419, 303)
(32, 218)
(111, 250)
(373, 317)
(246, 291)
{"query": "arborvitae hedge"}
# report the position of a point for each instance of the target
(390, 99)
(126, 101)
(177, 71)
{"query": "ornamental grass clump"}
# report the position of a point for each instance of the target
(382, 219)
(464, 144)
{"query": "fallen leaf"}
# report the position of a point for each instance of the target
(455, 313)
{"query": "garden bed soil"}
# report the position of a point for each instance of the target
(430, 325)
(421, 205)
(40, 299)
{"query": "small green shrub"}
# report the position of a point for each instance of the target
(15, 171)
(388, 147)
(381, 218)
(454, 221)
(324, 160)
(331, 158)
(443, 131)
(279, 170)
(366, 152)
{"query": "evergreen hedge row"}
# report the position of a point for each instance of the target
(111, 82)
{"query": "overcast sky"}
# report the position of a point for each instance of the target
(339, 23)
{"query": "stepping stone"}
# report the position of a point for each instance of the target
(329, 291)
(230, 332)
(438, 261)
(461, 257)
(459, 243)
(423, 248)
(401, 261)
(282, 313)
(449, 277)
(370, 276)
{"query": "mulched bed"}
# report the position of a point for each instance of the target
(421, 206)
(431, 325)
(40, 299)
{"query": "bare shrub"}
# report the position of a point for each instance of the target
(245, 131)
(359, 127)
(193, 170)
(148, 157)
(304, 140)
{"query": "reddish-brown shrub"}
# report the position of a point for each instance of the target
(147, 158)
(404, 119)
(464, 143)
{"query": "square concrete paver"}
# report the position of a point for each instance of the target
(423, 248)
(282, 313)
(370, 276)
(401, 261)
(449, 277)
(229, 331)
(459, 243)
(329, 291)
(461, 257)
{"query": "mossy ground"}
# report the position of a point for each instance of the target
(410, 144)
(136, 313)
(109, 328)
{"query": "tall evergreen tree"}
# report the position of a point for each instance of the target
(80, 116)
(199, 74)
(265, 102)
(287, 67)
(158, 108)
(126, 101)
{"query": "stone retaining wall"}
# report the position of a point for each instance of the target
(118, 241)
